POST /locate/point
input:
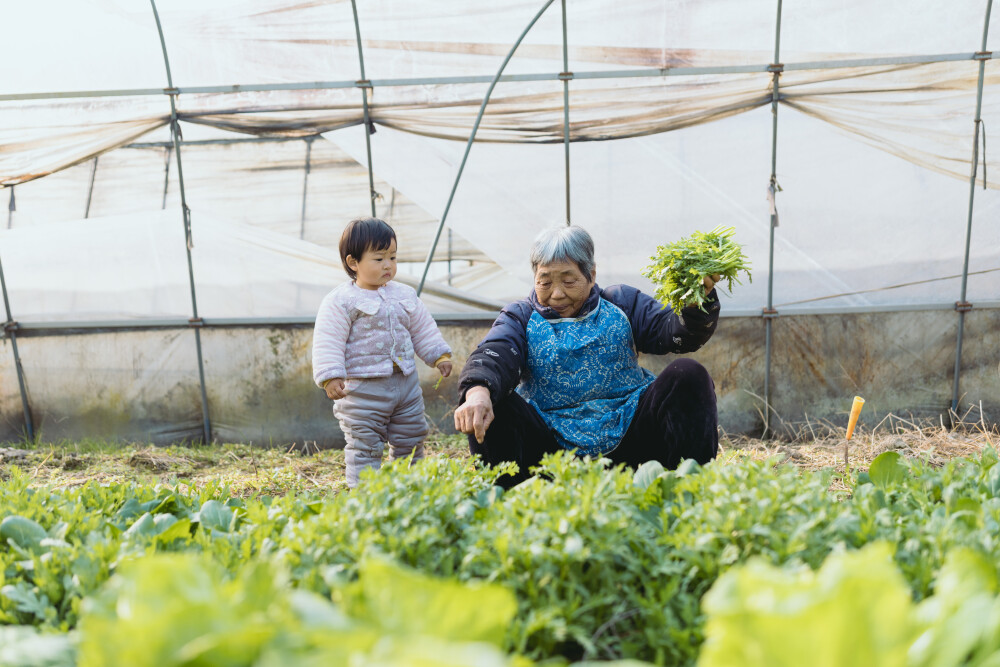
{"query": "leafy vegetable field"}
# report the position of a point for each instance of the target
(746, 561)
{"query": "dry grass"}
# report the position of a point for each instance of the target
(246, 469)
(819, 444)
(251, 470)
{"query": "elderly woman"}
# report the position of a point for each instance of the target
(559, 370)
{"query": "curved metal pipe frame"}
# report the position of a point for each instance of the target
(365, 86)
(186, 211)
(472, 137)
(10, 328)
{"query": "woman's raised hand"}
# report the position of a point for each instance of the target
(710, 281)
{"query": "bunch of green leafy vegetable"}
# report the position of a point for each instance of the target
(678, 269)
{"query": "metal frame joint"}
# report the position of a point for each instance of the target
(769, 313)
(10, 326)
(565, 76)
(983, 55)
(963, 306)
(196, 322)
(776, 68)
(363, 83)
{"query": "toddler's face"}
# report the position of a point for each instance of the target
(376, 267)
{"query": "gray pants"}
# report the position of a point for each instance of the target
(379, 410)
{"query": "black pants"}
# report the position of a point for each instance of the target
(676, 419)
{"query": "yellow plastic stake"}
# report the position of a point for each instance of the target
(855, 411)
(851, 423)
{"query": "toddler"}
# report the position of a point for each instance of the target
(366, 334)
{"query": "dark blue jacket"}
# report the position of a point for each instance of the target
(499, 359)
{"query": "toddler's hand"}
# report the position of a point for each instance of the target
(335, 389)
(444, 368)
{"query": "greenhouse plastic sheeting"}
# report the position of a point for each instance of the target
(260, 184)
(134, 267)
(874, 160)
(671, 130)
(288, 42)
(142, 386)
(847, 226)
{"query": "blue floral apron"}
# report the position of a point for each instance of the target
(583, 376)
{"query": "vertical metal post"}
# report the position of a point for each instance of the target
(11, 207)
(449, 255)
(963, 306)
(305, 185)
(166, 176)
(194, 320)
(769, 312)
(566, 75)
(90, 190)
(10, 327)
(472, 137)
(365, 87)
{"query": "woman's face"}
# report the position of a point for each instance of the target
(562, 287)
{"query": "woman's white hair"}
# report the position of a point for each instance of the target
(564, 244)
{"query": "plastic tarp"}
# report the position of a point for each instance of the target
(134, 267)
(306, 191)
(874, 156)
(874, 160)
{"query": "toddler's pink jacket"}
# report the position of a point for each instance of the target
(361, 333)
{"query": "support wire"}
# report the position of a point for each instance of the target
(166, 175)
(305, 186)
(472, 136)
(90, 190)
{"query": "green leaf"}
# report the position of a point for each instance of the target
(215, 515)
(668, 480)
(886, 470)
(24, 532)
(425, 651)
(405, 602)
(24, 646)
(145, 527)
(176, 529)
(647, 473)
(128, 510)
(688, 467)
(856, 610)
(993, 480)
(28, 601)
(961, 615)
(966, 509)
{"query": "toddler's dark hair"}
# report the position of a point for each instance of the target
(364, 234)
